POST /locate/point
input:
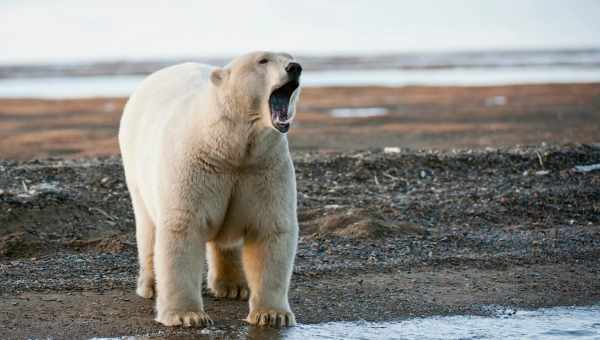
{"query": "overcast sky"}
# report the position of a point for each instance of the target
(71, 30)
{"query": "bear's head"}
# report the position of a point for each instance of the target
(263, 86)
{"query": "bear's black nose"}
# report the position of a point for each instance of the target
(294, 69)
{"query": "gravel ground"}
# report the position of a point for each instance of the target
(384, 236)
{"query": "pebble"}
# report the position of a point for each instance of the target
(391, 149)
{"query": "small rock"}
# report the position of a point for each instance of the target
(425, 173)
(391, 149)
(587, 168)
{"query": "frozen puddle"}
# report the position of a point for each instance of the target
(358, 112)
(545, 323)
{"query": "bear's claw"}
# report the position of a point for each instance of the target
(273, 318)
(185, 319)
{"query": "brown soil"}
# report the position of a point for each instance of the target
(418, 117)
(384, 236)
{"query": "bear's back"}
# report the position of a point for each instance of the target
(149, 108)
(170, 83)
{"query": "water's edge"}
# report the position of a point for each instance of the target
(123, 85)
(554, 323)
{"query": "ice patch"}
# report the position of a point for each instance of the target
(359, 112)
(495, 101)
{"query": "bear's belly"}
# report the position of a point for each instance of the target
(229, 235)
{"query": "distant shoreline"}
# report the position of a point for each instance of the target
(584, 57)
(106, 86)
(471, 68)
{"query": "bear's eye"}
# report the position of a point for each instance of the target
(263, 61)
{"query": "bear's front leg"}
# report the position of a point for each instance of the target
(268, 262)
(179, 264)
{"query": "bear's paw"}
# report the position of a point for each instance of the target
(273, 318)
(185, 319)
(230, 290)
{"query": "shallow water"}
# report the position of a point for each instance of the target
(545, 323)
(557, 323)
(123, 85)
(69, 87)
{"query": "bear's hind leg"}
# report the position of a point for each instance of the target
(144, 232)
(225, 272)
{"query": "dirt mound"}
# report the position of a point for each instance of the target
(355, 223)
(18, 245)
(104, 245)
(56, 205)
(24, 244)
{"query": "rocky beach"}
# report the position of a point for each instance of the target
(384, 234)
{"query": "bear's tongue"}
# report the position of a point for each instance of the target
(279, 103)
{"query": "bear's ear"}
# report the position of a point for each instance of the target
(217, 76)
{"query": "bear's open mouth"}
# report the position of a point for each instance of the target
(279, 102)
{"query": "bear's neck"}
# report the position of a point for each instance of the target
(240, 139)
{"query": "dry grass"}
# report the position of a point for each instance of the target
(418, 117)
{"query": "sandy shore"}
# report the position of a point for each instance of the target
(383, 237)
(417, 117)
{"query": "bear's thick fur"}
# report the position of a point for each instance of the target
(209, 172)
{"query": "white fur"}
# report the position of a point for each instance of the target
(205, 166)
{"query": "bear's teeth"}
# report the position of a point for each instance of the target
(287, 119)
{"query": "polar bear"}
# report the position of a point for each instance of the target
(208, 167)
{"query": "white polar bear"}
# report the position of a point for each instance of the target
(208, 168)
